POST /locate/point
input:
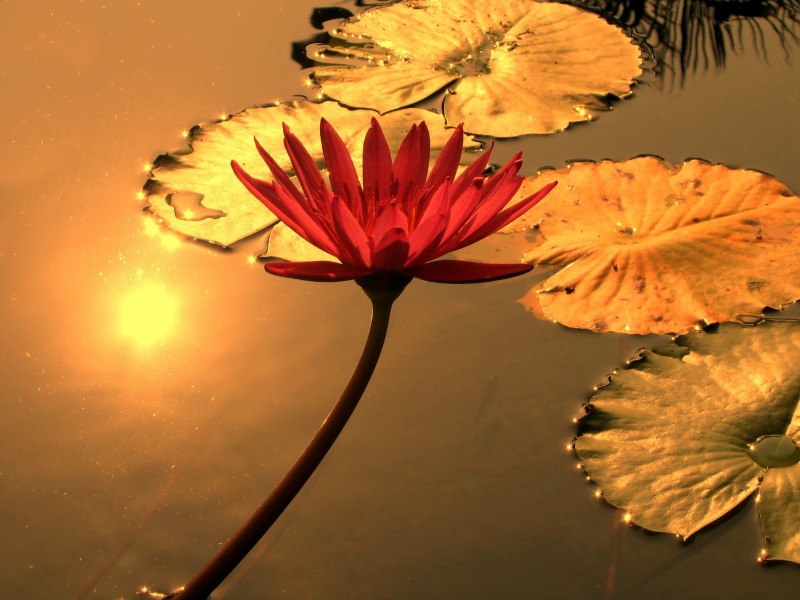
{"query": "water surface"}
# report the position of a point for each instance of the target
(127, 461)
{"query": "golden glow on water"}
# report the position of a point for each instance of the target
(628, 518)
(169, 241)
(148, 593)
(150, 226)
(148, 314)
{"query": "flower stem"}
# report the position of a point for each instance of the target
(382, 291)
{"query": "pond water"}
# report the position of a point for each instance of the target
(128, 456)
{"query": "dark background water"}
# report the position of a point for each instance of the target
(124, 466)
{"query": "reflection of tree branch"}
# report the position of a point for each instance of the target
(689, 35)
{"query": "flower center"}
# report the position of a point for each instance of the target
(774, 451)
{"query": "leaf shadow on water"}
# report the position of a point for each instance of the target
(713, 535)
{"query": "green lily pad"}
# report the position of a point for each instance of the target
(511, 67)
(195, 192)
(681, 437)
(654, 248)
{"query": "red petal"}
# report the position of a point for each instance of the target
(349, 235)
(318, 270)
(423, 155)
(280, 175)
(505, 217)
(461, 209)
(307, 170)
(390, 218)
(425, 241)
(377, 171)
(391, 255)
(437, 203)
(460, 271)
(405, 171)
(286, 209)
(342, 173)
(390, 240)
(476, 169)
(502, 177)
(496, 193)
(447, 163)
(496, 188)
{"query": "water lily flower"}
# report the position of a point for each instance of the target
(385, 232)
(399, 218)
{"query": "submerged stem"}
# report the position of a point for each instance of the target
(382, 291)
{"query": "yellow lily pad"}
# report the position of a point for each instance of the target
(195, 192)
(654, 248)
(511, 67)
(728, 428)
(284, 243)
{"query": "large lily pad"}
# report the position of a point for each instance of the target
(656, 248)
(196, 193)
(679, 461)
(512, 67)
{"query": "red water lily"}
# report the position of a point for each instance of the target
(401, 218)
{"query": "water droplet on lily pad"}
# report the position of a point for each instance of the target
(774, 451)
(188, 206)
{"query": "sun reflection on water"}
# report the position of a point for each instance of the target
(148, 314)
